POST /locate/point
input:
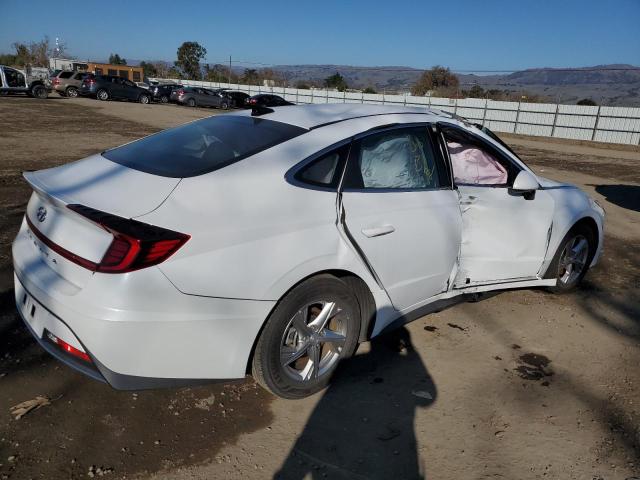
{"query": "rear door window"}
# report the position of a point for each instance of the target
(65, 74)
(203, 146)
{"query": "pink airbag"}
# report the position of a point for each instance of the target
(474, 166)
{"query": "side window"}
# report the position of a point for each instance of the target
(475, 163)
(14, 77)
(65, 74)
(325, 170)
(394, 159)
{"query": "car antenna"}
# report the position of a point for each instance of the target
(258, 110)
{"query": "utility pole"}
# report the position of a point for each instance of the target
(229, 76)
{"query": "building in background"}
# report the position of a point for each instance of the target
(133, 73)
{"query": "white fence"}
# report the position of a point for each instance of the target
(599, 123)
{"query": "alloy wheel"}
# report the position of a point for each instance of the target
(573, 259)
(313, 341)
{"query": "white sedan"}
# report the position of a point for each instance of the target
(271, 242)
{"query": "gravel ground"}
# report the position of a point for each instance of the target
(522, 384)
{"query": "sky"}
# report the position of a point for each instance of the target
(465, 35)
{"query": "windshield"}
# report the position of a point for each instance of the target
(202, 146)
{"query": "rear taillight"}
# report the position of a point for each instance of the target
(56, 81)
(135, 244)
(180, 92)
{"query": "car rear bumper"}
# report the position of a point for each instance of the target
(137, 328)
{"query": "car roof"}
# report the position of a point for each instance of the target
(314, 116)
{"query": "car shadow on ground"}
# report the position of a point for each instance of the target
(625, 196)
(363, 426)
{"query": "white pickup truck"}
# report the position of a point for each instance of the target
(34, 82)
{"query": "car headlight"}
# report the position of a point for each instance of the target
(596, 206)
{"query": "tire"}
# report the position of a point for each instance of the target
(291, 332)
(39, 91)
(164, 99)
(144, 99)
(72, 92)
(191, 102)
(224, 106)
(572, 259)
(102, 94)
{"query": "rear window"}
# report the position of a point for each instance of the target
(203, 146)
(65, 74)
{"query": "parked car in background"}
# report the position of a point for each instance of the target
(33, 84)
(200, 97)
(239, 99)
(268, 100)
(145, 265)
(105, 87)
(162, 92)
(67, 83)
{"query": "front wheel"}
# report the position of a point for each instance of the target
(72, 92)
(311, 330)
(144, 99)
(40, 92)
(102, 94)
(191, 102)
(571, 262)
(224, 106)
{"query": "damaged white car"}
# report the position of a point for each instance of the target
(272, 242)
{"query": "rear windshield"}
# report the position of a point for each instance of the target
(202, 146)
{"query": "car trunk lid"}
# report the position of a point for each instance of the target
(59, 233)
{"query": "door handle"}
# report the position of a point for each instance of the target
(378, 231)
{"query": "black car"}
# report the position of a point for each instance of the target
(267, 100)
(105, 87)
(162, 93)
(239, 99)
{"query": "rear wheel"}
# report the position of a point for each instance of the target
(312, 328)
(191, 102)
(224, 105)
(39, 91)
(72, 92)
(164, 99)
(102, 94)
(571, 262)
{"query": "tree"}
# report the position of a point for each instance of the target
(149, 69)
(587, 102)
(369, 90)
(303, 86)
(115, 59)
(437, 77)
(336, 81)
(477, 92)
(250, 77)
(35, 53)
(189, 56)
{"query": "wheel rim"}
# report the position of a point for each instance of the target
(164, 99)
(313, 341)
(102, 95)
(144, 99)
(573, 259)
(72, 92)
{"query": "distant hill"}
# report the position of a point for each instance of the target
(606, 84)
(614, 84)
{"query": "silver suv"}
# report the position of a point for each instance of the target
(67, 83)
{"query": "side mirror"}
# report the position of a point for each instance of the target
(525, 182)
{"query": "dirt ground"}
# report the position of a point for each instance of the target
(522, 384)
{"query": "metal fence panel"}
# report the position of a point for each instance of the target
(578, 122)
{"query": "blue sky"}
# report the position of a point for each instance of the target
(463, 34)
